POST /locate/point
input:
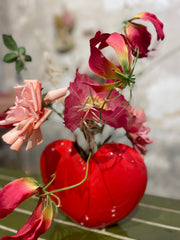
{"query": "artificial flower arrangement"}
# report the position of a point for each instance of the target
(101, 184)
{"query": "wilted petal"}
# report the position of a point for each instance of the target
(37, 224)
(55, 94)
(15, 193)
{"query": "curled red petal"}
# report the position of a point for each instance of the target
(146, 16)
(99, 38)
(138, 36)
(15, 193)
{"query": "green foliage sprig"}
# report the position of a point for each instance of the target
(17, 54)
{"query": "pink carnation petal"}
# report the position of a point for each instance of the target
(26, 115)
(136, 131)
(55, 94)
(20, 134)
(45, 115)
(15, 193)
(35, 88)
(17, 144)
(35, 139)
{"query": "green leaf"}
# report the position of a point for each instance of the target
(19, 66)
(27, 58)
(9, 42)
(10, 57)
(21, 50)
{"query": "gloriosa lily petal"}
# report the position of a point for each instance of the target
(38, 223)
(122, 49)
(98, 62)
(15, 193)
(146, 16)
(138, 35)
(101, 65)
(104, 87)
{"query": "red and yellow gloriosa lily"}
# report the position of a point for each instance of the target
(105, 68)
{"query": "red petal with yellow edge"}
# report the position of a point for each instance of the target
(146, 16)
(104, 87)
(101, 66)
(15, 193)
(122, 49)
(97, 61)
(38, 223)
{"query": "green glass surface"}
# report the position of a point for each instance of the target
(155, 218)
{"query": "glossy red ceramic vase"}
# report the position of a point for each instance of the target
(116, 181)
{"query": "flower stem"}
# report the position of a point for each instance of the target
(72, 186)
(58, 113)
(105, 102)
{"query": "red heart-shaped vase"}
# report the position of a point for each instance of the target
(116, 181)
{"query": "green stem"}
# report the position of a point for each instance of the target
(72, 186)
(105, 102)
(52, 180)
(58, 113)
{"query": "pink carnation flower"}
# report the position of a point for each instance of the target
(84, 103)
(27, 114)
(137, 132)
